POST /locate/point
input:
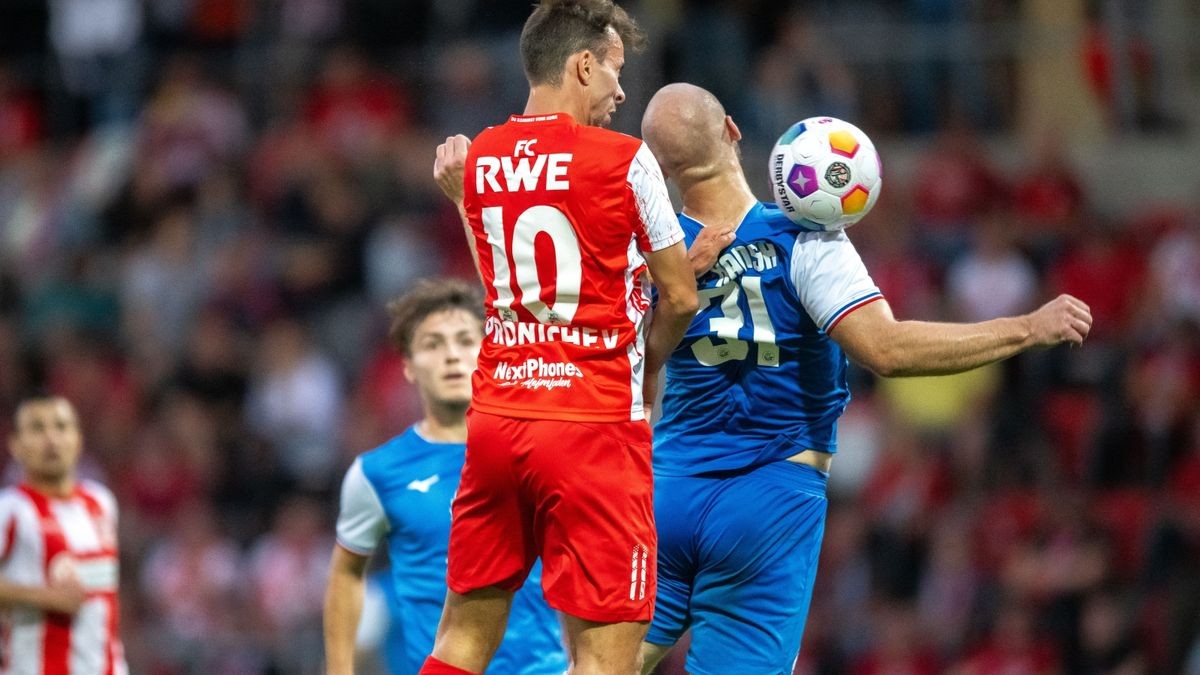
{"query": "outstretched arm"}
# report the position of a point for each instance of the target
(873, 338)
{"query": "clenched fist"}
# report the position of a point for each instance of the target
(1063, 319)
(449, 165)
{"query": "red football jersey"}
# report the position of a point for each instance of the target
(560, 213)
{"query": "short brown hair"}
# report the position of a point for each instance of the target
(559, 28)
(429, 296)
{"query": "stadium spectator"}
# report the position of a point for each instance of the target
(192, 578)
(286, 575)
(295, 401)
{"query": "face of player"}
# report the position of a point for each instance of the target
(605, 89)
(47, 440)
(443, 352)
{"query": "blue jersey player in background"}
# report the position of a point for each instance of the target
(401, 492)
(753, 393)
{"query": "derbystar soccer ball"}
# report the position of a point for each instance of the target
(825, 174)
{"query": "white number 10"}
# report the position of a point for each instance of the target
(568, 269)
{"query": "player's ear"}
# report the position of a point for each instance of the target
(731, 128)
(408, 375)
(585, 64)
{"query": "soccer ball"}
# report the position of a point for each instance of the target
(825, 174)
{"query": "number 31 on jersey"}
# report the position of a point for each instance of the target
(727, 326)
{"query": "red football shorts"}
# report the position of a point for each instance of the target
(579, 495)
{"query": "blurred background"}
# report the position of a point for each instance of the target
(204, 205)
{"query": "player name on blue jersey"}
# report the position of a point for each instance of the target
(756, 255)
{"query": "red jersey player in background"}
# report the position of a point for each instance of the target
(58, 552)
(564, 218)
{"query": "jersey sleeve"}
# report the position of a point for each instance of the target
(658, 225)
(361, 521)
(830, 277)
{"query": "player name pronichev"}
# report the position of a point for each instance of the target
(733, 263)
(513, 333)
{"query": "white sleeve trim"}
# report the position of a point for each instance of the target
(830, 277)
(361, 521)
(653, 202)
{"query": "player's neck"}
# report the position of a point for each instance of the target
(444, 425)
(56, 488)
(546, 100)
(722, 199)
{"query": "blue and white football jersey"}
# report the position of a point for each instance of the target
(756, 377)
(402, 491)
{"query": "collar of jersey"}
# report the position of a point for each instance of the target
(420, 436)
(548, 118)
(745, 215)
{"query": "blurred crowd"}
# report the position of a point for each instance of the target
(205, 204)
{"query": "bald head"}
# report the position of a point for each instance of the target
(684, 126)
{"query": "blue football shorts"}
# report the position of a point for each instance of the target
(737, 557)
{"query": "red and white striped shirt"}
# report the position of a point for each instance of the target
(44, 538)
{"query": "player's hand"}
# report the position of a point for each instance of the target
(707, 248)
(64, 596)
(449, 165)
(1063, 319)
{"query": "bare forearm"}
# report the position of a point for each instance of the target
(343, 609)
(16, 594)
(873, 338)
(37, 597)
(667, 327)
(923, 348)
(470, 235)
